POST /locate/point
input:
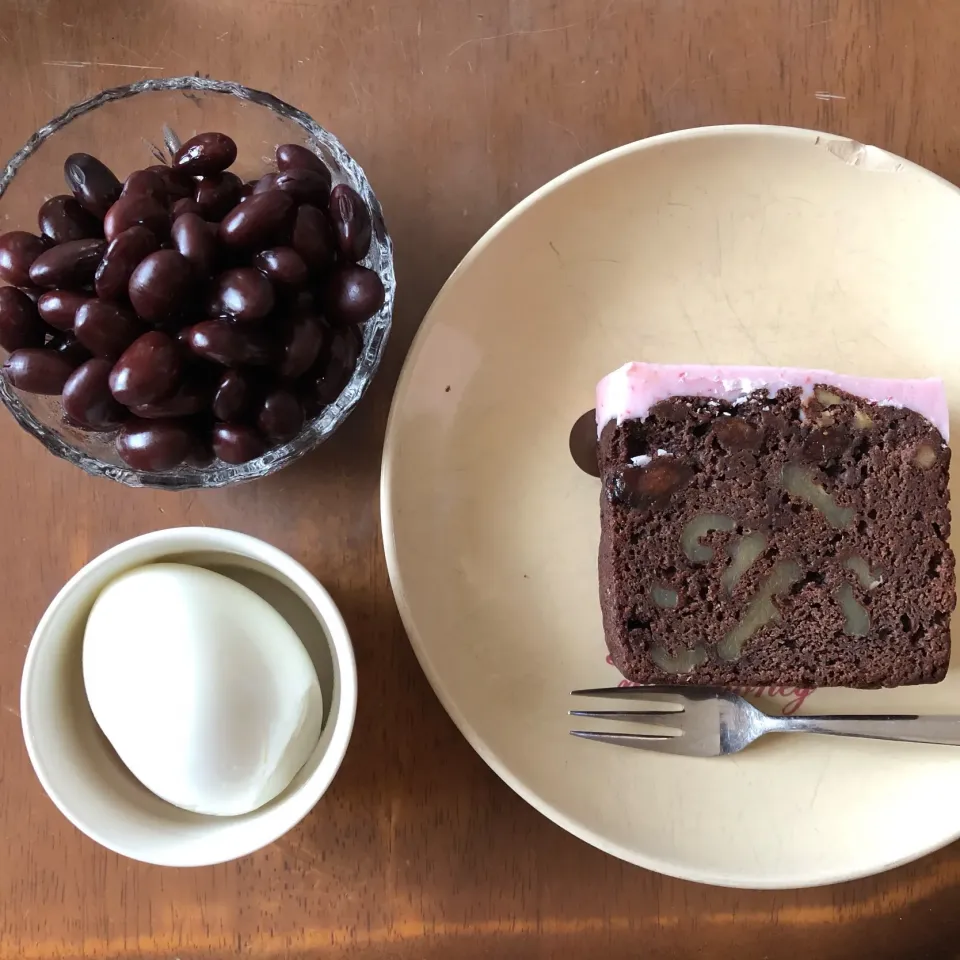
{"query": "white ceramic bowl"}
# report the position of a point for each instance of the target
(80, 771)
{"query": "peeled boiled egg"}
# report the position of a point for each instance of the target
(203, 689)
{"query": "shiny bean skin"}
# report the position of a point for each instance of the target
(332, 372)
(106, 329)
(123, 255)
(59, 307)
(133, 209)
(218, 194)
(257, 221)
(87, 400)
(159, 285)
(195, 243)
(280, 417)
(184, 205)
(351, 222)
(267, 182)
(192, 396)
(18, 251)
(145, 183)
(282, 265)
(20, 324)
(70, 264)
(36, 370)
(232, 395)
(353, 294)
(235, 443)
(185, 308)
(242, 293)
(61, 218)
(291, 156)
(302, 344)
(313, 239)
(154, 445)
(147, 371)
(70, 348)
(223, 342)
(178, 185)
(205, 153)
(305, 186)
(92, 182)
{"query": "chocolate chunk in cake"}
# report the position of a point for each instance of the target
(789, 534)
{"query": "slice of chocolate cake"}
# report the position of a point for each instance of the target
(766, 526)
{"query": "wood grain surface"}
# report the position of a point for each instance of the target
(457, 109)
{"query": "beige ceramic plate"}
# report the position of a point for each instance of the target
(723, 245)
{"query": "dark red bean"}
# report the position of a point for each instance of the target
(313, 238)
(184, 205)
(70, 264)
(205, 153)
(93, 183)
(133, 209)
(301, 346)
(178, 185)
(59, 307)
(332, 372)
(159, 285)
(200, 454)
(20, 324)
(282, 265)
(218, 194)
(123, 255)
(232, 395)
(36, 370)
(280, 417)
(18, 251)
(34, 293)
(223, 342)
(257, 221)
(87, 400)
(61, 218)
(145, 183)
(154, 445)
(351, 221)
(267, 182)
(242, 293)
(195, 243)
(291, 156)
(106, 329)
(192, 396)
(70, 348)
(305, 186)
(235, 443)
(353, 294)
(148, 370)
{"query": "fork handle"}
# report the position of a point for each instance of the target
(916, 729)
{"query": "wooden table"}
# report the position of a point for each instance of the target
(457, 109)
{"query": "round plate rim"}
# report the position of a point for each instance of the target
(575, 827)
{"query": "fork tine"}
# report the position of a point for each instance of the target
(656, 718)
(641, 741)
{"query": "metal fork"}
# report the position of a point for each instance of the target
(713, 722)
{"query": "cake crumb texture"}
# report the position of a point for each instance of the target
(776, 540)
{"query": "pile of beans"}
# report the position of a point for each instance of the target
(198, 316)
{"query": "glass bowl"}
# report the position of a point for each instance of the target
(137, 125)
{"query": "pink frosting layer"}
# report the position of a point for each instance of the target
(630, 392)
